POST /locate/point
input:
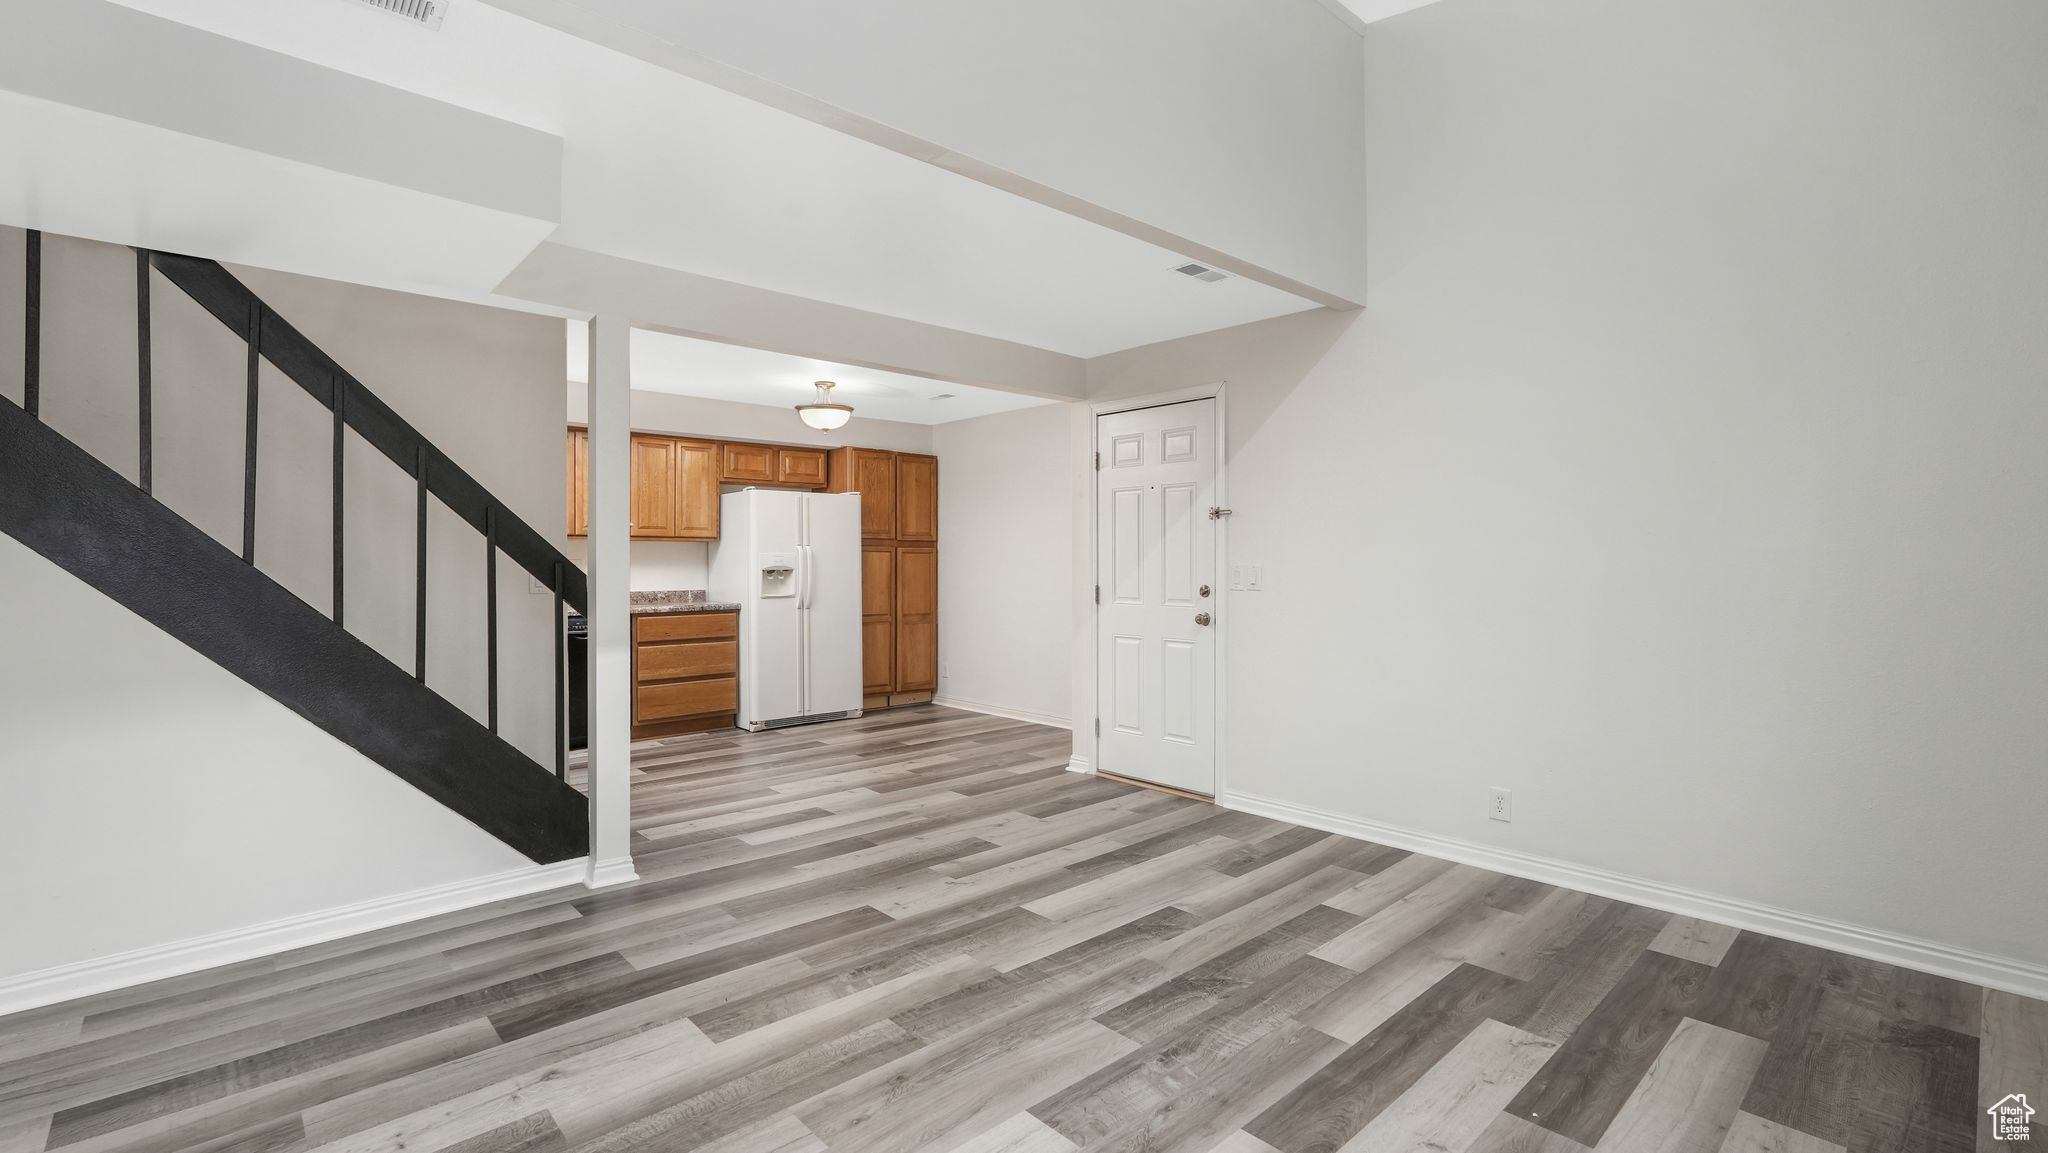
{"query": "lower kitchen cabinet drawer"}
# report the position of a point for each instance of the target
(652, 703)
(673, 662)
(685, 626)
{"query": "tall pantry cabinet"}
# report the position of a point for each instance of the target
(899, 514)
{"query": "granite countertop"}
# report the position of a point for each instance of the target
(678, 601)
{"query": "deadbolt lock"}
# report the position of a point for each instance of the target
(1203, 591)
(1201, 618)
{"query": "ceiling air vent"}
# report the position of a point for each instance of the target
(424, 12)
(1202, 272)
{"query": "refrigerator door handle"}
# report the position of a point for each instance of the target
(803, 550)
(803, 625)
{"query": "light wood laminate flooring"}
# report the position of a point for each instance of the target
(917, 931)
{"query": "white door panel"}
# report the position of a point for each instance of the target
(1156, 552)
(1177, 544)
(1126, 675)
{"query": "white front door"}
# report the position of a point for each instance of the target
(1156, 572)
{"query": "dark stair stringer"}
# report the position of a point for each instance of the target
(60, 501)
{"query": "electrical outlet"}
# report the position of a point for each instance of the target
(945, 670)
(1499, 804)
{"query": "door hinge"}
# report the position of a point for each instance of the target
(1098, 462)
(1218, 513)
(1098, 594)
(1098, 726)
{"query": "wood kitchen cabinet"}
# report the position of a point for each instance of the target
(685, 673)
(656, 485)
(674, 487)
(878, 620)
(746, 463)
(899, 528)
(696, 490)
(579, 482)
(917, 620)
(917, 497)
(781, 465)
(800, 467)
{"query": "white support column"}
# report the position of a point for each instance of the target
(610, 652)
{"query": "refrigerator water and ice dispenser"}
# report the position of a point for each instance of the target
(778, 574)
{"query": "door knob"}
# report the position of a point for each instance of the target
(1201, 618)
(1203, 591)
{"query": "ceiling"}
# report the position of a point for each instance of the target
(668, 171)
(684, 366)
(1359, 13)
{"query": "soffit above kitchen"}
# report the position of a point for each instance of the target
(663, 170)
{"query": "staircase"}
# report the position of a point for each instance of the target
(62, 502)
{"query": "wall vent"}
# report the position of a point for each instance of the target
(1202, 272)
(427, 13)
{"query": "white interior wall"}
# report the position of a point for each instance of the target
(1005, 559)
(1684, 476)
(158, 798)
(664, 565)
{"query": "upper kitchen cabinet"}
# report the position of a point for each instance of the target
(696, 490)
(917, 497)
(746, 463)
(657, 483)
(800, 467)
(871, 473)
(674, 487)
(579, 482)
(787, 466)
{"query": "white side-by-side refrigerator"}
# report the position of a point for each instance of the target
(791, 561)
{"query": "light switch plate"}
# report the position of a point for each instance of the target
(1254, 578)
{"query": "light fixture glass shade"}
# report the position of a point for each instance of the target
(822, 414)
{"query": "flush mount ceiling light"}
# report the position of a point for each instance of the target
(821, 413)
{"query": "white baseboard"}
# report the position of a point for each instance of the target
(1080, 764)
(2010, 974)
(157, 962)
(1057, 722)
(617, 871)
